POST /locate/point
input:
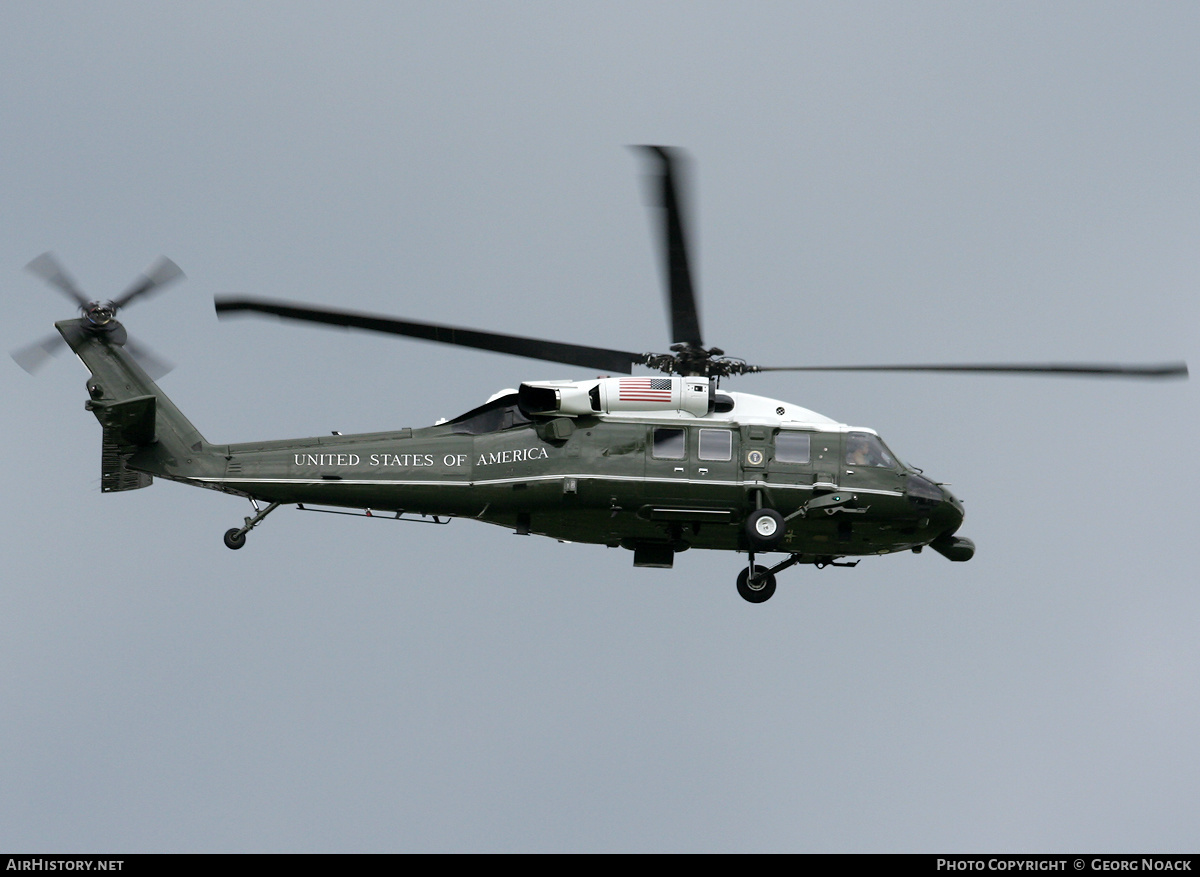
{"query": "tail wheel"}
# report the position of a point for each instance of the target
(765, 529)
(760, 589)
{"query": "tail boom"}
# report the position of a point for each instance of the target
(144, 434)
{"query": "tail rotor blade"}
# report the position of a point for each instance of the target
(152, 364)
(157, 276)
(34, 356)
(47, 267)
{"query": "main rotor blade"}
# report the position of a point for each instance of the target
(157, 276)
(681, 297)
(47, 267)
(535, 348)
(35, 355)
(1101, 370)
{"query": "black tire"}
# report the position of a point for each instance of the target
(765, 529)
(760, 594)
(234, 538)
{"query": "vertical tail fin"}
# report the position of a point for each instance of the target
(144, 433)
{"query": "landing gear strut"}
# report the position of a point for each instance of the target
(235, 538)
(756, 584)
(764, 530)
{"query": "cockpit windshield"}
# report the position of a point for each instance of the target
(864, 449)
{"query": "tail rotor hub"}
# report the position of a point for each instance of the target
(100, 313)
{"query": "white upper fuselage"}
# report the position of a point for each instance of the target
(749, 408)
(687, 401)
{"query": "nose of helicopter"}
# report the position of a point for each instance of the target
(952, 507)
(945, 516)
(948, 517)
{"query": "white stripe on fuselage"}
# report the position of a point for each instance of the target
(530, 478)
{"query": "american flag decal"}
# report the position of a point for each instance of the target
(644, 390)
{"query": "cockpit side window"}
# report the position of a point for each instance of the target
(864, 449)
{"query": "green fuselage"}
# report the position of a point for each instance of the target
(600, 484)
(649, 479)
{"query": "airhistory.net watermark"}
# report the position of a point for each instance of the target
(42, 863)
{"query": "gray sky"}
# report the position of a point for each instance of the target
(875, 182)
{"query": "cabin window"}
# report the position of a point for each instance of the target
(864, 449)
(716, 444)
(793, 447)
(670, 444)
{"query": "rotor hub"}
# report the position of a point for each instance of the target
(100, 313)
(691, 360)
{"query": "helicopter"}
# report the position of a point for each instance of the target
(656, 464)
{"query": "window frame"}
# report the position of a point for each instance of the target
(727, 450)
(790, 433)
(654, 442)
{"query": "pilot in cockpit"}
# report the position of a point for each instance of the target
(866, 450)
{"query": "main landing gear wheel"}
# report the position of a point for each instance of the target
(758, 591)
(234, 538)
(765, 529)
